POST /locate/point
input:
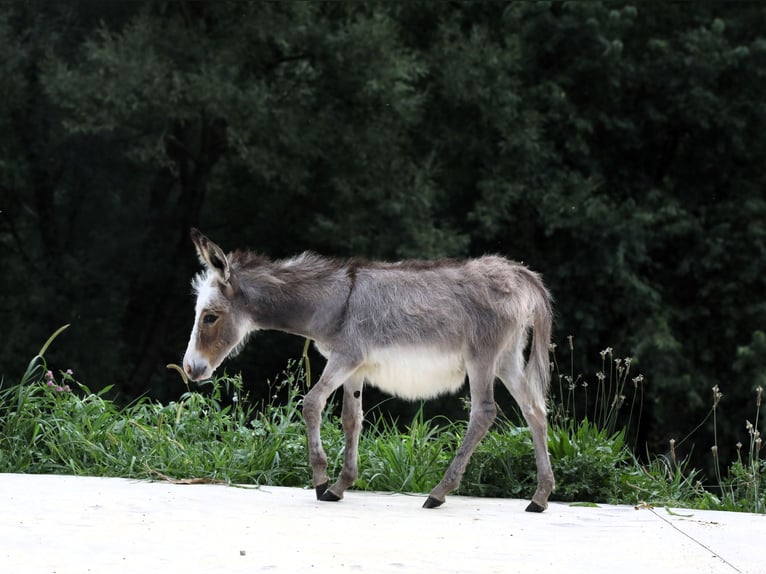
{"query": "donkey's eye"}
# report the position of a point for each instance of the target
(209, 319)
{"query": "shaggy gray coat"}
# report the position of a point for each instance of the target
(414, 329)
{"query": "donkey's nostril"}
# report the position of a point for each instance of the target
(196, 370)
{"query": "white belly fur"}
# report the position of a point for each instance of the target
(414, 373)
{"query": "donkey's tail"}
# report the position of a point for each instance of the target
(538, 371)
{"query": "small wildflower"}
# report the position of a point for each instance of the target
(51, 384)
(234, 398)
(49, 375)
(600, 376)
(67, 388)
(59, 389)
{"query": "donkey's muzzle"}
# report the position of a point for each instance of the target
(196, 370)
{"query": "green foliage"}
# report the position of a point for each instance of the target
(662, 482)
(409, 461)
(51, 423)
(615, 147)
(503, 464)
(587, 462)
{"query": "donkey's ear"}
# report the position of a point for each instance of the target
(211, 256)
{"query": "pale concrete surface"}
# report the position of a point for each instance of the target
(63, 524)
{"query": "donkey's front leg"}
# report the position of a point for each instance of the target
(337, 370)
(351, 417)
(483, 412)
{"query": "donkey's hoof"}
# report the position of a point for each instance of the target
(329, 496)
(320, 489)
(534, 507)
(432, 502)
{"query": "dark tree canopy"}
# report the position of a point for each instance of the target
(617, 148)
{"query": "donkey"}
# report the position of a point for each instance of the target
(414, 329)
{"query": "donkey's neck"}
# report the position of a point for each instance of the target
(305, 295)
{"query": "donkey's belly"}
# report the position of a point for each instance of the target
(414, 373)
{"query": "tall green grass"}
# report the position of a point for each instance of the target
(52, 423)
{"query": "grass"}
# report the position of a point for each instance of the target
(51, 423)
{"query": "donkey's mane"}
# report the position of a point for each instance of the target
(307, 265)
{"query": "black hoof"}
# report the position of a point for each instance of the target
(329, 496)
(432, 502)
(321, 488)
(534, 507)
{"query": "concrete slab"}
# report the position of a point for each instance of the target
(64, 524)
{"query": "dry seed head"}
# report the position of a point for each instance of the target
(749, 426)
(637, 379)
(716, 396)
(673, 450)
(758, 393)
(739, 446)
(714, 450)
(570, 338)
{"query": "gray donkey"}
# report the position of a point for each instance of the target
(413, 329)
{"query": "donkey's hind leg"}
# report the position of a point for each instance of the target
(511, 372)
(351, 418)
(483, 412)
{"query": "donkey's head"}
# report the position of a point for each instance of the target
(221, 321)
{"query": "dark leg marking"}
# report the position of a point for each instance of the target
(432, 502)
(534, 507)
(357, 394)
(321, 488)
